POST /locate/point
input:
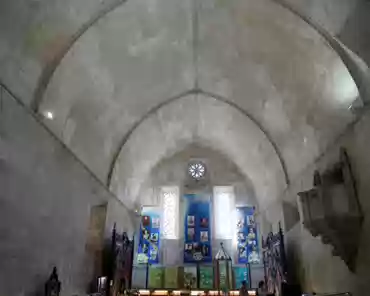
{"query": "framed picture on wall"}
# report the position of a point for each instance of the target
(241, 236)
(242, 252)
(204, 236)
(145, 221)
(191, 234)
(191, 221)
(250, 220)
(204, 222)
(251, 234)
(155, 223)
(154, 237)
(240, 223)
(188, 247)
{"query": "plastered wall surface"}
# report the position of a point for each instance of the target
(45, 201)
(311, 260)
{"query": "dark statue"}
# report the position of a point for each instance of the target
(53, 285)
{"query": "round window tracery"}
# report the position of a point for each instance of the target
(197, 170)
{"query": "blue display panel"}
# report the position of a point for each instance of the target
(197, 247)
(148, 249)
(248, 250)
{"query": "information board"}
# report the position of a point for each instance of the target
(206, 277)
(149, 236)
(248, 251)
(197, 246)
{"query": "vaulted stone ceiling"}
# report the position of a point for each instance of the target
(347, 20)
(143, 79)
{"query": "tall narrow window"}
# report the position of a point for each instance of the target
(224, 212)
(170, 210)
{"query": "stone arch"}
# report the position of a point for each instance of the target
(220, 171)
(202, 94)
(353, 63)
(210, 122)
(49, 70)
(98, 98)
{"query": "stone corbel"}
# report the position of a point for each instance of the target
(332, 211)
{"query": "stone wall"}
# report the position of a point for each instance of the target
(348, 20)
(104, 89)
(46, 197)
(311, 260)
(220, 171)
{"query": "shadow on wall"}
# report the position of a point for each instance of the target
(39, 289)
(356, 33)
(291, 215)
(311, 261)
(296, 271)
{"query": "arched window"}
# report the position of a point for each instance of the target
(170, 210)
(224, 212)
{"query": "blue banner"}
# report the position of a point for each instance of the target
(197, 246)
(148, 249)
(248, 251)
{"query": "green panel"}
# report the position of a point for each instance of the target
(240, 275)
(206, 277)
(190, 277)
(171, 277)
(156, 277)
(223, 265)
(223, 275)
